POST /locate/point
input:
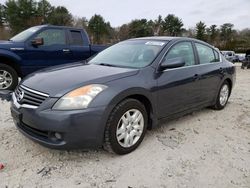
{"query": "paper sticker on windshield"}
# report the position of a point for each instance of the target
(155, 43)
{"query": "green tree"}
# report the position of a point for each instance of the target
(60, 16)
(123, 32)
(98, 28)
(111, 35)
(227, 36)
(242, 41)
(226, 31)
(172, 25)
(191, 32)
(44, 10)
(22, 14)
(80, 22)
(156, 26)
(213, 35)
(1, 15)
(213, 32)
(19, 13)
(201, 31)
(140, 28)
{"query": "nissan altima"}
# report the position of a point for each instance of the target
(111, 100)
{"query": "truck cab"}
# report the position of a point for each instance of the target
(40, 47)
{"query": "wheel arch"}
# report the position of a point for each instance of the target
(12, 63)
(142, 96)
(148, 105)
(229, 81)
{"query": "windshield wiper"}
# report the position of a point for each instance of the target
(108, 65)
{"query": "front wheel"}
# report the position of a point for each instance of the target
(126, 127)
(223, 96)
(8, 77)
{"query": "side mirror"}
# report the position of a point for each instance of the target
(37, 42)
(172, 63)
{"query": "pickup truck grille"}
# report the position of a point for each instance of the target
(28, 97)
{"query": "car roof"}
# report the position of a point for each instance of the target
(168, 38)
(56, 26)
(160, 38)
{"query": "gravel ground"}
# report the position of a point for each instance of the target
(205, 149)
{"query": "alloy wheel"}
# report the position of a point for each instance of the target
(224, 93)
(5, 79)
(130, 128)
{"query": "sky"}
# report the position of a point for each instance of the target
(118, 12)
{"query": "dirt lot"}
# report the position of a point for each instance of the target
(205, 149)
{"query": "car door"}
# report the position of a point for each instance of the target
(179, 88)
(54, 51)
(211, 71)
(79, 46)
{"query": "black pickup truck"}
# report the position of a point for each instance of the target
(39, 47)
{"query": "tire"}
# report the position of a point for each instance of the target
(223, 96)
(117, 132)
(8, 77)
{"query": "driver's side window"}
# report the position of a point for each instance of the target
(52, 37)
(184, 50)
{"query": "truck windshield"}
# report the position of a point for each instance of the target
(133, 54)
(21, 37)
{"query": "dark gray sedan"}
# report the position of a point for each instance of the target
(115, 97)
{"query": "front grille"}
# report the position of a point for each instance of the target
(26, 96)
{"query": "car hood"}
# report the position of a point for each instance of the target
(59, 80)
(4, 44)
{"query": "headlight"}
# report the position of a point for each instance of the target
(79, 98)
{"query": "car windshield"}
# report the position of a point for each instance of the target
(132, 54)
(21, 37)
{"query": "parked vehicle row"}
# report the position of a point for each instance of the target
(234, 57)
(40, 47)
(126, 89)
(239, 57)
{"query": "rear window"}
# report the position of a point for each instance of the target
(76, 38)
(205, 53)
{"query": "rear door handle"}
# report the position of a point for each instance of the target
(196, 77)
(66, 50)
(222, 71)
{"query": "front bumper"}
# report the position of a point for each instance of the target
(61, 129)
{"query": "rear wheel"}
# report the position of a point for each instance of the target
(8, 77)
(223, 96)
(126, 127)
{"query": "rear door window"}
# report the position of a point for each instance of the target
(76, 38)
(206, 54)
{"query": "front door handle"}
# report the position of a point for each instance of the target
(66, 50)
(196, 77)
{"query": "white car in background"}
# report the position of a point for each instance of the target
(240, 57)
(229, 55)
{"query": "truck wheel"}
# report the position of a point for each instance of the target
(126, 127)
(8, 77)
